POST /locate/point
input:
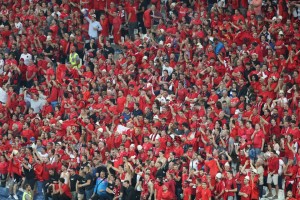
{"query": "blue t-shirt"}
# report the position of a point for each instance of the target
(101, 186)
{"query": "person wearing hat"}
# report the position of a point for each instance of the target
(220, 187)
(280, 44)
(245, 192)
(94, 26)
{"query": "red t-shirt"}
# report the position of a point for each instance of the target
(31, 70)
(230, 185)
(257, 140)
(66, 190)
(166, 195)
(187, 192)
(205, 194)
(132, 11)
(246, 189)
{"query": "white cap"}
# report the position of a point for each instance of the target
(60, 121)
(274, 18)
(161, 42)
(227, 164)
(145, 58)
(100, 130)
(48, 38)
(199, 45)
(162, 30)
(219, 175)
(247, 177)
(132, 146)
(280, 17)
(156, 117)
(254, 170)
(139, 147)
(72, 35)
(173, 5)
(281, 33)
(15, 152)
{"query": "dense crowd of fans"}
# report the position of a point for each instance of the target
(150, 99)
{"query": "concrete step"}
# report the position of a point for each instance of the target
(4, 193)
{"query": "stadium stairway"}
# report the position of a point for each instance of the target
(4, 193)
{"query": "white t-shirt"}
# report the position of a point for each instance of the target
(45, 155)
(281, 164)
(194, 164)
(57, 12)
(3, 95)
(1, 64)
(19, 26)
(169, 69)
(36, 105)
(154, 137)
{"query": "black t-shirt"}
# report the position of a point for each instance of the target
(143, 6)
(89, 177)
(128, 193)
(81, 180)
(111, 186)
(53, 178)
(107, 50)
(160, 173)
(73, 180)
(29, 173)
(48, 49)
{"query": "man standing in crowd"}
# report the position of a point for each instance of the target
(94, 27)
(128, 191)
(245, 192)
(100, 188)
(273, 167)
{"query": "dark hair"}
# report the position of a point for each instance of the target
(62, 180)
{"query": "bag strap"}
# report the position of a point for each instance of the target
(99, 184)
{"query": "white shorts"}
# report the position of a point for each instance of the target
(272, 179)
